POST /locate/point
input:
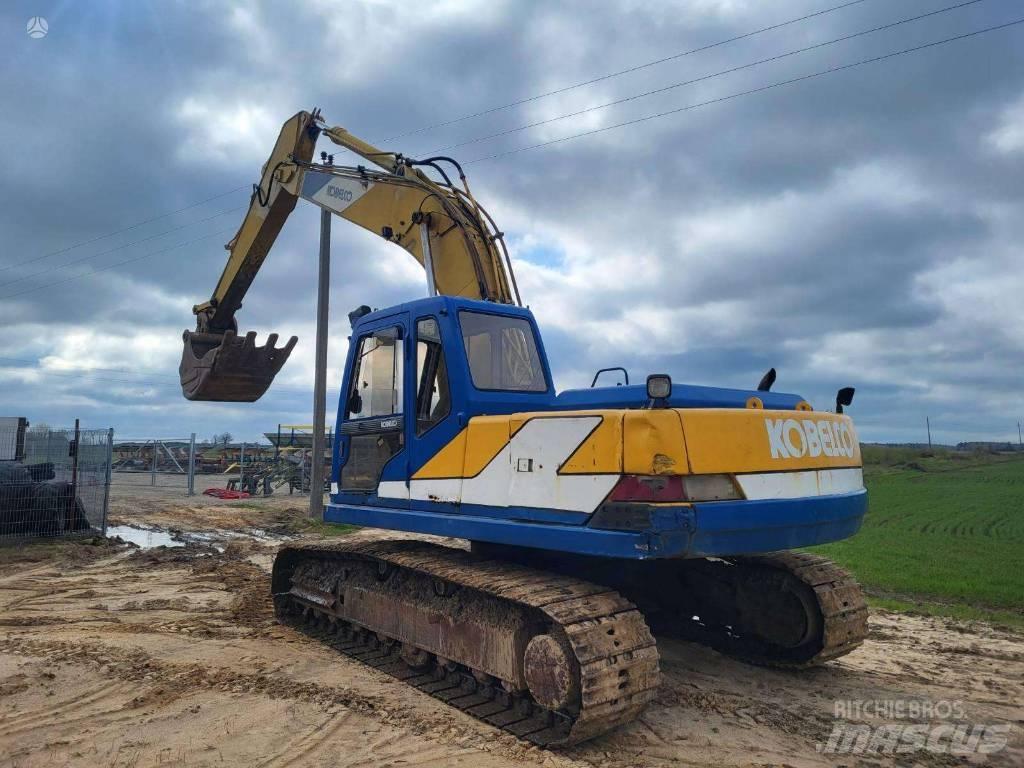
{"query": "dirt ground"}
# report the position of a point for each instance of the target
(111, 655)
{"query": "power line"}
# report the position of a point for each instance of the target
(219, 232)
(136, 225)
(44, 372)
(591, 81)
(622, 124)
(82, 368)
(86, 373)
(746, 93)
(122, 247)
(711, 76)
(626, 71)
(437, 125)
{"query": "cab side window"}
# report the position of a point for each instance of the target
(433, 397)
(375, 392)
(377, 376)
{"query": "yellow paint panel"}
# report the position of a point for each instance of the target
(447, 462)
(601, 452)
(653, 443)
(487, 436)
(469, 451)
(748, 440)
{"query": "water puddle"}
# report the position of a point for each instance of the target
(145, 538)
(148, 538)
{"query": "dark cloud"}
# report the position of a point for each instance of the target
(860, 228)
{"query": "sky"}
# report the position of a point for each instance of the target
(858, 228)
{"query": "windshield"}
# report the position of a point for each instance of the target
(502, 352)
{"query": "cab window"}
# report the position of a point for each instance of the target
(377, 376)
(433, 398)
(502, 352)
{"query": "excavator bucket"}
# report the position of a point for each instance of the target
(225, 367)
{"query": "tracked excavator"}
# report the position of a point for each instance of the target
(596, 518)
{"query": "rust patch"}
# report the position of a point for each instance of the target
(663, 465)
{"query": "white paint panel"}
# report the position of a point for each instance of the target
(831, 481)
(336, 193)
(543, 445)
(334, 488)
(446, 489)
(779, 485)
(795, 485)
(393, 489)
(548, 442)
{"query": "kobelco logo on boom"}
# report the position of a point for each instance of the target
(793, 438)
(339, 192)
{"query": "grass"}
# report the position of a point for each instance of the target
(944, 534)
(326, 529)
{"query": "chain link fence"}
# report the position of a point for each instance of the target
(53, 482)
(157, 464)
(171, 467)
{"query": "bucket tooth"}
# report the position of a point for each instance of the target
(225, 367)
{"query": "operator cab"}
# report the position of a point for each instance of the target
(417, 373)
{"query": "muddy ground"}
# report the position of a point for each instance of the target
(117, 656)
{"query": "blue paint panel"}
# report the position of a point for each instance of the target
(737, 527)
(718, 528)
(528, 514)
(563, 538)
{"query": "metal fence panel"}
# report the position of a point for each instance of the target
(58, 486)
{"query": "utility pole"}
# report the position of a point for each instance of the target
(1019, 441)
(323, 292)
(929, 425)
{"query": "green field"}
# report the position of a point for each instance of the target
(944, 534)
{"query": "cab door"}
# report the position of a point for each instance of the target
(372, 466)
(434, 412)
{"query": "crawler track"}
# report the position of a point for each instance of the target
(787, 609)
(553, 659)
(781, 609)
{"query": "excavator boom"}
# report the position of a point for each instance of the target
(435, 220)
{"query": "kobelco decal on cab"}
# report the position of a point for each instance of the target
(794, 439)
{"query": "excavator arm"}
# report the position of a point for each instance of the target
(437, 221)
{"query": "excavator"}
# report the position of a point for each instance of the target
(578, 525)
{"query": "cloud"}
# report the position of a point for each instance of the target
(1008, 137)
(858, 229)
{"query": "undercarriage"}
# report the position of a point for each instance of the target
(551, 648)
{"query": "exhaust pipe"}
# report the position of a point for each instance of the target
(226, 368)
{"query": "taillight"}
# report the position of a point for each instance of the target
(667, 488)
(648, 488)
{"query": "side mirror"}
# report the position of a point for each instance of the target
(844, 397)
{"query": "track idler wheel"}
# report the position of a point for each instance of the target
(551, 672)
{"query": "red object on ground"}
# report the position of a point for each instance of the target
(224, 493)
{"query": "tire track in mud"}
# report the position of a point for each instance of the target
(171, 681)
(299, 748)
(24, 721)
(167, 681)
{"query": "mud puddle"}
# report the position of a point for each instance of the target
(151, 537)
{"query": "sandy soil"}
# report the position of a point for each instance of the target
(111, 655)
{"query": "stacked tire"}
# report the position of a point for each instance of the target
(29, 508)
(17, 493)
